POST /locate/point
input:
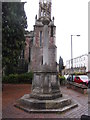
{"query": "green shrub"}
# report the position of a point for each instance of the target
(62, 80)
(18, 78)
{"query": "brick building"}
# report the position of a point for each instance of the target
(28, 44)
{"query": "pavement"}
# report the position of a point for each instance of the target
(12, 92)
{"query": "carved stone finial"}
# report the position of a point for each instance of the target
(45, 20)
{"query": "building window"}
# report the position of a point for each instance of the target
(40, 38)
(84, 64)
(80, 59)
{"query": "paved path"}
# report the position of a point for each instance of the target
(13, 92)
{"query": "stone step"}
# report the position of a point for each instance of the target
(59, 110)
(54, 95)
(57, 105)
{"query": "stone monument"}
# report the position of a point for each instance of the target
(46, 95)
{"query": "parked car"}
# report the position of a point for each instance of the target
(82, 79)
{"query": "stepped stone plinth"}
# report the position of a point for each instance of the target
(57, 105)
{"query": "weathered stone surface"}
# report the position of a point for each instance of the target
(60, 104)
(46, 95)
(45, 83)
(45, 46)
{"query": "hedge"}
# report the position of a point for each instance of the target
(18, 78)
(62, 80)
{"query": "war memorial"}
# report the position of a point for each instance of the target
(46, 95)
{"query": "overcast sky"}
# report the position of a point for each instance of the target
(71, 18)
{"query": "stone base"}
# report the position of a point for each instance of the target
(51, 96)
(60, 104)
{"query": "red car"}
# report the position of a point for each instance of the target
(82, 79)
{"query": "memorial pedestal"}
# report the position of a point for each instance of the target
(45, 95)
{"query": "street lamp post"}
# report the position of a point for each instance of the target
(72, 53)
